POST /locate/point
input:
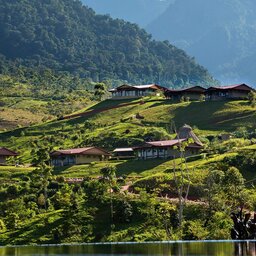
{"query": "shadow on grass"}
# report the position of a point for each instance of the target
(60, 169)
(200, 114)
(138, 166)
(110, 103)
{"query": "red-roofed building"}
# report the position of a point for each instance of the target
(238, 91)
(78, 156)
(193, 93)
(166, 149)
(170, 148)
(135, 91)
(5, 153)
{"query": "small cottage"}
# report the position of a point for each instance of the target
(135, 91)
(238, 91)
(193, 93)
(6, 153)
(78, 156)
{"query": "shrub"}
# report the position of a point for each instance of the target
(194, 230)
(2, 226)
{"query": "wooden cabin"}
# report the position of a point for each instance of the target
(78, 156)
(193, 93)
(5, 153)
(238, 91)
(158, 149)
(124, 153)
(135, 91)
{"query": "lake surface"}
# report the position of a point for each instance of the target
(225, 248)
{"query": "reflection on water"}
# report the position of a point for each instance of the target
(225, 248)
(245, 248)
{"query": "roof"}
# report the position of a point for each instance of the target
(138, 87)
(123, 150)
(189, 89)
(7, 152)
(165, 143)
(80, 151)
(244, 87)
(145, 86)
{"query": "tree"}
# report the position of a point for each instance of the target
(233, 184)
(100, 89)
(182, 181)
(109, 175)
(123, 211)
(43, 173)
(252, 98)
(213, 190)
(42, 156)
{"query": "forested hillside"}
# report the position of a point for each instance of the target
(64, 35)
(220, 34)
(29, 96)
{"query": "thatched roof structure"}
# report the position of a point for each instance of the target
(186, 132)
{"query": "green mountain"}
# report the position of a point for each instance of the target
(64, 35)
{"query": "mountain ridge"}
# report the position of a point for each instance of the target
(141, 12)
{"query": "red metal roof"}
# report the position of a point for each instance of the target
(7, 152)
(234, 86)
(78, 151)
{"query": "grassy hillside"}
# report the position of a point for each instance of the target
(32, 97)
(145, 193)
(131, 125)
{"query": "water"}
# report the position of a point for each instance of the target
(224, 248)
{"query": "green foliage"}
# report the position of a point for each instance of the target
(123, 211)
(220, 225)
(41, 200)
(100, 89)
(2, 226)
(252, 98)
(194, 230)
(244, 160)
(108, 173)
(229, 145)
